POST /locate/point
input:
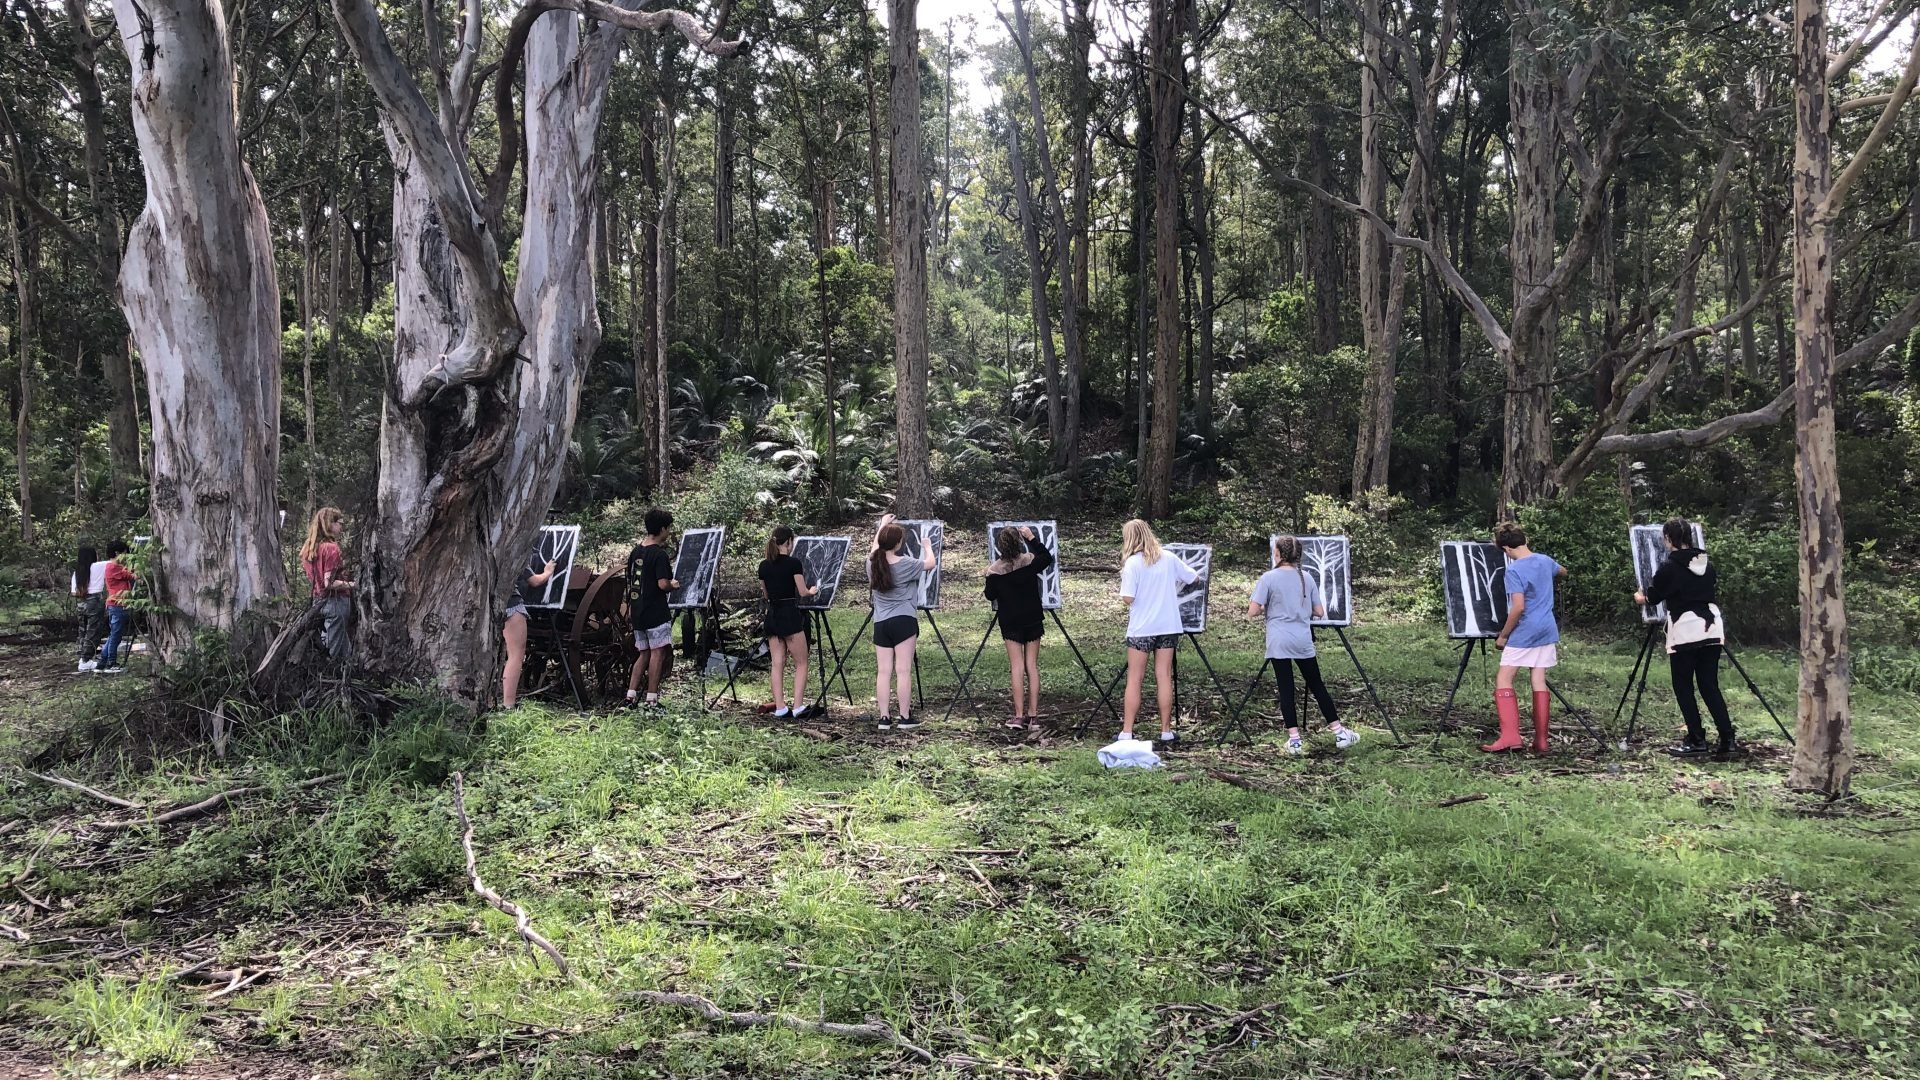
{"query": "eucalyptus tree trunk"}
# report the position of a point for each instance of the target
(1078, 21)
(1534, 128)
(1037, 282)
(913, 484)
(1156, 488)
(1066, 437)
(24, 282)
(1823, 743)
(486, 381)
(198, 288)
(116, 363)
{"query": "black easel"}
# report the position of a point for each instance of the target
(1239, 714)
(1642, 668)
(840, 663)
(706, 638)
(1459, 674)
(1086, 669)
(823, 640)
(1106, 695)
(555, 619)
(921, 698)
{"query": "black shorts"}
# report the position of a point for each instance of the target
(889, 633)
(785, 620)
(1021, 635)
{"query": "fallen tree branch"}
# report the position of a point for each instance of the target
(211, 803)
(876, 1032)
(1458, 800)
(72, 785)
(499, 903)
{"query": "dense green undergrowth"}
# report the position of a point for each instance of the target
(1009, 906)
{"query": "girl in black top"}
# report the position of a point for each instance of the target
(783, 581)
(1696, 633)
(1013, 585)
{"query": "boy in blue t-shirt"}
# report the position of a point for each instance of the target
(1530, 638)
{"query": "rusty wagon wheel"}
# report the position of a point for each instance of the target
(600, 641)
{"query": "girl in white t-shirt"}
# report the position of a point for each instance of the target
(1150, 582)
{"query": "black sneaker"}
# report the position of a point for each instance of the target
(800, 712)
(1167, 741)
(880, 723)
(1727, 750)
(1690, 748)
(905, 723)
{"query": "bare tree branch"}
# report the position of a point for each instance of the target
(1889, 116)
(521, 922)
(875, 1032)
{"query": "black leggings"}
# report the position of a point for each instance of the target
(1309, 671)
(1699, 665)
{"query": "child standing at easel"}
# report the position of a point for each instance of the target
(1530, 639)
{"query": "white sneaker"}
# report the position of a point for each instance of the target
(1295, 746)
(782, 713)
(1345, 737)
(1125, 736)
(87, 665)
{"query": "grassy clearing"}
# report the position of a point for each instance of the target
(1013, 905)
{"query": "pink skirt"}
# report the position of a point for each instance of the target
(1540, 656)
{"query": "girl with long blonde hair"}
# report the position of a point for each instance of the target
(1150, 582)
(320, 557)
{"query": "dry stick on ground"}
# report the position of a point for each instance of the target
(83, 789)
(211, 803)
(877, 1032)
(1475, 797)
(500, 903)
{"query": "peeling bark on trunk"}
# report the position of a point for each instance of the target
(1527, 449)
(1823, 750)
(1156, 487)
(198, 288)
(913, 484)
(1198, 209)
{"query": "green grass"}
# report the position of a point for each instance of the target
(1017, 905)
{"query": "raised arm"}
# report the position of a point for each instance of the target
(927, 556)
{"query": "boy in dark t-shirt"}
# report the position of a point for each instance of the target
(649, 580)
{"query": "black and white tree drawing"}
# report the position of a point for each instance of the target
(1193, 595)
(1649, 551)
(1327, 562)
(557, 545)
(1473, 576)
(1048, 533)
(937, 536)
(823, 558)
(697, 566)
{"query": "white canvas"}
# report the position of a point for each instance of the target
(937, 536)
(1327, 562)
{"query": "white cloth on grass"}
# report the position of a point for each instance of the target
(1155, 589)
(1129, 754)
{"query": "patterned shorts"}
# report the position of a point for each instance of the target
(658, 637)
(1154, 642)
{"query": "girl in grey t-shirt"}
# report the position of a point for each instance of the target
(895, 580)
(1289, 599)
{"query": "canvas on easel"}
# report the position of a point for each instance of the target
(1473, 580)
(557, 544)
(929, 598)
(1194, 594)
(1327, 561)
(1649, 551)
(823, 559)
(697, 567)
(1048, 533)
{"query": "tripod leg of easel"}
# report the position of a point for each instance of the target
(1577, 714)
(1092, 679)
(1756, 693)
(951, 663)
(1646, 670)
(1226, 698)
(964, 679)
(1368, 683)
(1633, 678)
(1238, 723)
(1459, 676)
(1106, 698)
(840, 662)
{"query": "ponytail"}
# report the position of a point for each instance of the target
(782, 536)
(879, 571)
